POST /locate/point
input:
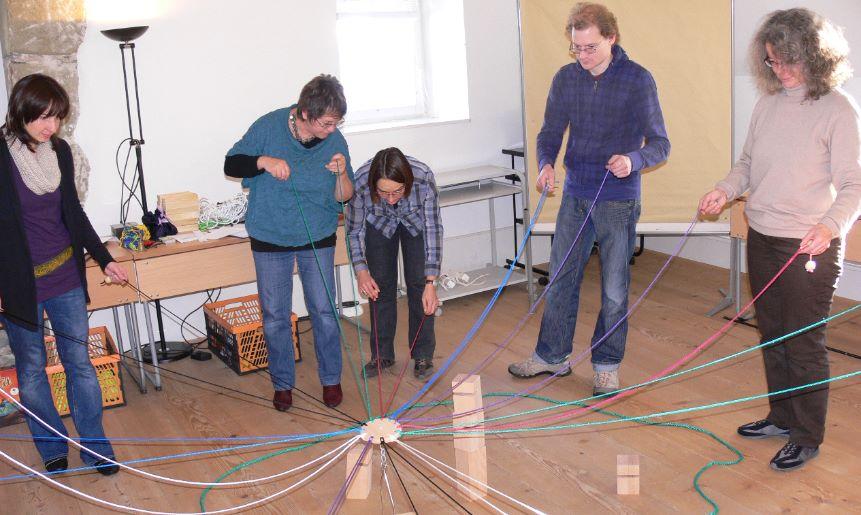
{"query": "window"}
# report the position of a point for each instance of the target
(402, 60)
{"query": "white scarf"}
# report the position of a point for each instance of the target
(40, 170)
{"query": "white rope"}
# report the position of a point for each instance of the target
(384, 464)
(166, 479)
(133, 509)
(424, 457)
(227, 212)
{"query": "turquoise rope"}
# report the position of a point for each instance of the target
(639, 417)
(677, 374)
(739, 457)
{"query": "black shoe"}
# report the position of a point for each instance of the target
(793, 456)
(58, 464)
(372, 369)
(762, 429)
(106, 468)
(423, 369)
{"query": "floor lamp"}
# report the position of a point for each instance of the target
(168, 350)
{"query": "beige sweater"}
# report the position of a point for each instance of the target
(802, 164)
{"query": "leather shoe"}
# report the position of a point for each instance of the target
(282, 400)
(332, 395)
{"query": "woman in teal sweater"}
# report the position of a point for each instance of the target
(296, 165)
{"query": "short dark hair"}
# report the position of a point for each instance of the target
(588, 14)
(321, 96)
(31, 97)
(392, 164)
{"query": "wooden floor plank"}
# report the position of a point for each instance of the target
(564, 471)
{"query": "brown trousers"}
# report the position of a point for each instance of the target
(798, 298)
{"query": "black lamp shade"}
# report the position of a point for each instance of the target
(126, 34)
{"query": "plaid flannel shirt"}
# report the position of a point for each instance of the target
(419, 212)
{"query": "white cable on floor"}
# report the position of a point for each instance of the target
(424, 457)
(166, 479)
(120, 507)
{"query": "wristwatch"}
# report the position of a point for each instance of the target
(434, 282)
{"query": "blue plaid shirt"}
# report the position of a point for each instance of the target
(419, 212)
(618, 113)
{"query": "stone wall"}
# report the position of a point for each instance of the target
(43, 36)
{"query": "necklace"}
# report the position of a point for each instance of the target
(295, 131)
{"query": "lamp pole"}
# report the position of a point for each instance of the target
(168, 350)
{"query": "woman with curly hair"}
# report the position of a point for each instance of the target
(801, 163)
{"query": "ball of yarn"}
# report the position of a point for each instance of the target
(133, 237)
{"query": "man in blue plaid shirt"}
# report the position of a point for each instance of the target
(609, 104)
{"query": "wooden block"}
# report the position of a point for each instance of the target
(469, 447)
(472, 463)
(628, 485)
(628, 465)
(360, 487)
(628, 474)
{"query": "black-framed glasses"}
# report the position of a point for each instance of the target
(391, 194)
(586, 49)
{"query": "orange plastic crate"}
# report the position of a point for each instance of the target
(105, 359)
(234, 329)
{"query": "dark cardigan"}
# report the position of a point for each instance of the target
(17, 280)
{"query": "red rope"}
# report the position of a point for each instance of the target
(406, 363)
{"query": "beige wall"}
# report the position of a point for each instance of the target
(687, 46)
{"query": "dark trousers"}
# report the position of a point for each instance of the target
(381, 254)
(797, 299)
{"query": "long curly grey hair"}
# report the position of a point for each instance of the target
(801, 36)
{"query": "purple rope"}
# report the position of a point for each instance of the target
(342, 494)
(531, 311)
(571, 363)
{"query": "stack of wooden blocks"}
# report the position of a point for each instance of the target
(182, 209)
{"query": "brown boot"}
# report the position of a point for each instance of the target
(332, 395)
(282, 400)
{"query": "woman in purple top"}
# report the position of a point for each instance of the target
(44, 231)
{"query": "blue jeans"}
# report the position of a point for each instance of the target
(613, 225)
(275, 286)
(68, 316)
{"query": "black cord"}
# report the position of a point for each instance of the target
(429, 480)
(266, 371)
(349, 420)
(401, 480)
(208, 300)
(125, 204)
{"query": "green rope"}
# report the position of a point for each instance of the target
(245, 464)
(680, 373)
(433, 431)
(696, 481)
(364, 383)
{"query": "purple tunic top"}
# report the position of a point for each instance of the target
(47, 236)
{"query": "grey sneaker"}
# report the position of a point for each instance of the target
(792, 456)
(762, 429)
(605, 382)
(532, 368)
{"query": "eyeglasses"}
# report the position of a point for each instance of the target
(329, 125)
(771, 63)
(588, 49)
(391, 194)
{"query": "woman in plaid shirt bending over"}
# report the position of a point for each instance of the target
(396, 203)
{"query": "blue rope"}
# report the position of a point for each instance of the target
(478, 323)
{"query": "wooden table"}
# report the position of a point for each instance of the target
(176, 269)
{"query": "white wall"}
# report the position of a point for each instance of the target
(748, 15)
(208, 68)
